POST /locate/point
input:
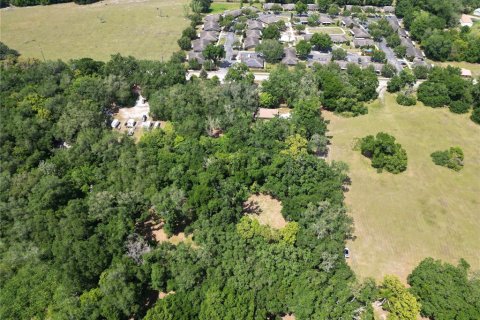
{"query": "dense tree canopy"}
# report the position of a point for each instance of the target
(75, 241)
(384, 152)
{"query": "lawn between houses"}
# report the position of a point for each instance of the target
(145, 29)
(425, 211)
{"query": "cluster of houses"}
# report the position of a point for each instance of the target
(355, 33)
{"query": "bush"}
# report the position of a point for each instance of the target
(452, 158)
(388, 70)
(194, 64)
(459, 106)
(184, 43)
(433, 94)
(476, 115)
(406, 99)
(384, 152)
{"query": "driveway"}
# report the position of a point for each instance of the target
(391, 57)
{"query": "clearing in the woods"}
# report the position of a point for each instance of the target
(426, 211)
(266, 209)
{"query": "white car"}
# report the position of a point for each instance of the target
(346, 253)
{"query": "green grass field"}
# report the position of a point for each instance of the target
(474, 67)
(427, 210)
(219, 7)
(146, 29)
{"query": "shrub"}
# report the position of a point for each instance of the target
(459, 106)
(194, 64)
(384, 152)
(406, 99)
(433, 94)
(452, 158)
(476, 115)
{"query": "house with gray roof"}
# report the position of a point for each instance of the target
(312, 7)
(268, 18)
(362, 43)
(325, 20)
(347, 22)
(290, 56)
(254, 34)
(389, 9)
(338, 38)
(394, 23)
(359, 33)
(252, 59)
(319, 57)
(377, 67)
(211, 26)
(288, 6)
(209, 36)
(402, 33)
(412, 51)
(254, 25)
(250, 43)
(200, 44)
(234, 13)
(192, 55)
(212, 18)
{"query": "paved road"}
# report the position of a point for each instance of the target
(391, 58)
(229, 41)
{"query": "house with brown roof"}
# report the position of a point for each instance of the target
(290, 56)
(312, 7)
(288, 6)
(192, 55)
(200, 44)
(211, 26)
(325, 20)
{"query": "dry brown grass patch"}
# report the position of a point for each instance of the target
(266, 209)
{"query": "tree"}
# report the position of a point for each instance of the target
(239, 72)
(266, 100)
(388, 70)
(433, 94)
(271, 32)
(437, 46)
(339, 54)
(271, 49)
(299, 28)
(445, 291)
(321, 41)
(451, 158)
(184, 43)
(214, 53)
(384, 152)
(334, 10)
(300, 7)
(303, 48)
(189, 32)
(378, 56)
(400, 51)
(398, 301)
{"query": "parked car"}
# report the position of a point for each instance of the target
(115, 123)
(346, 253)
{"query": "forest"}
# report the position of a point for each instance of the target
(76, 198)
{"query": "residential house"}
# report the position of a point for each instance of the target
(389, 9)
(359, 33)
(254, 34)
(268, 18)
(466, 21)
(212, 18)
(250, 43)
(325, 20)
(394, 23)
(476, 12)
(268, 6)
(209, 36)
(234, 13)
(347, 22)
(319, 57)
(193, 55)
(412, 51)
(363, 43)
(254, 25)
(290, 58)
(264, 113)
(312, 7)
(252, 59)
(200, 44)
(211, 26)
(338, 38)
(288, 7)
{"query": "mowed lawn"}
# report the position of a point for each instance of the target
(144, 29)
(425, 211)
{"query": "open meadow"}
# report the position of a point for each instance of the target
(145, 29)
(425, 211)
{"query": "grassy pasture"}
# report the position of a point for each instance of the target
(427, 210)
(145, 29)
